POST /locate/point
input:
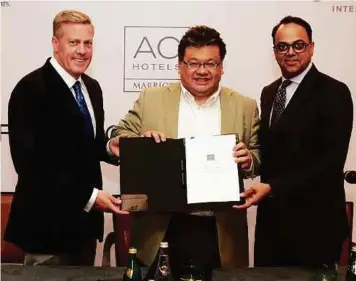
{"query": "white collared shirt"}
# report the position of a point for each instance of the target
(199, 120)
(69, 80)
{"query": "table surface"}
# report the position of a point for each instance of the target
(10, 272)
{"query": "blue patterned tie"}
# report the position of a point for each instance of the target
(84, 109)
(279, 102)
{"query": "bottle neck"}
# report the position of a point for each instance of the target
(163, 251)
(132, 258)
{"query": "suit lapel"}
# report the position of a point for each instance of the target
(63, 98)
(227, 108)
(60, 93)
(90, 87)
(303, 92)
(171, 110)
(92, 91)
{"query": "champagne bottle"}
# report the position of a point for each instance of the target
(132, 269)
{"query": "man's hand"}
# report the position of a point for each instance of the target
(114, 144)
(158, 136)
(107, 203)
(254, 195)
(242, 156)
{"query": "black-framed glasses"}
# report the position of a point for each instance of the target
(298, 46)
(196, 65)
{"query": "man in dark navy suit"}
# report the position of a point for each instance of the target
(306, 124)
(56, 134)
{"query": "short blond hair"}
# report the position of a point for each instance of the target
(69, 16)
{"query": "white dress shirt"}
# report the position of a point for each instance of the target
(199, 120)
(69, 80)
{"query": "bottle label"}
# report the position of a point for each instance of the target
(129, 272)
(164, 270)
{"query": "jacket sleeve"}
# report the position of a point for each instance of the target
(253, 143)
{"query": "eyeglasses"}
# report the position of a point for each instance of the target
(298, 47)
(207, 65)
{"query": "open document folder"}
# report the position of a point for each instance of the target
(181, 174)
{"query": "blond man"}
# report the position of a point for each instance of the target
(56, 135)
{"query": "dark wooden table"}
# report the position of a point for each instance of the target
(67, 273)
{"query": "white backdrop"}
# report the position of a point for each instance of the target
(135, 45)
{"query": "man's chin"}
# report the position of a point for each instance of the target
(292, 72)
(202, 87)
(80, 70)
(80, 66)
(202, 92)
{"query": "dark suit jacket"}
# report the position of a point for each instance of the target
(302, 158)
(57, 164)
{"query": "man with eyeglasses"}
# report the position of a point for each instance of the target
(306, 123)
(197, 106)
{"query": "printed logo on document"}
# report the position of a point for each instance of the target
(151, 56)
(210, 157)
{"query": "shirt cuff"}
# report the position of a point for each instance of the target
(91, 201)
(108, 148)
(108, 151)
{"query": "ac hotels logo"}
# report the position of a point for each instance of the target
(150, 56)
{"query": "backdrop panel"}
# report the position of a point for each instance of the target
(135, 47)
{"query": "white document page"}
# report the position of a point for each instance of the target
(212, 174)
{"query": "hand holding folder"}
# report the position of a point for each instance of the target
(181, 174)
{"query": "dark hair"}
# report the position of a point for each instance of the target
(200, 36)
(296, 20)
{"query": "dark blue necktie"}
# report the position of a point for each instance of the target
(84, 109)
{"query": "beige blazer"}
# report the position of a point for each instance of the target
(157, 109)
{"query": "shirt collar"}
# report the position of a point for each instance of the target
(68, 79)
(190, 97)
(298, 79)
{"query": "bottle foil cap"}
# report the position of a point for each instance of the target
(132, 250)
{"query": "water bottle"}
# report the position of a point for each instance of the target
(163, 270)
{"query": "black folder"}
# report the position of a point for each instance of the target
(158, 170)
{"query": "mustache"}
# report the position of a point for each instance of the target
(292, 56)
